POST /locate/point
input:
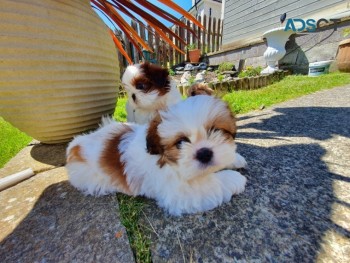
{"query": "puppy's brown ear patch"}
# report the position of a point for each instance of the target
(199, 89)
(224, 121)
(153, 141)
(158, 76)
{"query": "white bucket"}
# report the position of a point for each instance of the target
(319, 68)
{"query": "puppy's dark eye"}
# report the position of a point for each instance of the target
(180, 141)
(140, 86)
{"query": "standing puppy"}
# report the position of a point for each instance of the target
(149, 89)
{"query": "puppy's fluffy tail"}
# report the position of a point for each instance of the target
(106, 120)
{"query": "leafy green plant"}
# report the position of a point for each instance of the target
(220, 77)
(250, 71)
(346, 32)
(192, 46)
(191, 80)
(225, 66)
(171, 72)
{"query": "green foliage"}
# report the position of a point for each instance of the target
(191, 80)
(12, 141)
(346, 32)
(120, 112)
(191, 46)
(225, 66)
(171, 72)
(250, 71)
(220, 77)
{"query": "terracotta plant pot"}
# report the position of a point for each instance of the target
(343, 58)
(59, 68)
(194, 55)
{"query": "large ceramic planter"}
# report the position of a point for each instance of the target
(276, 41)
(58, 68)
(343, 57)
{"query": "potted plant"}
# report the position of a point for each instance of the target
(343, 57)
(59, 66)
(194, 53)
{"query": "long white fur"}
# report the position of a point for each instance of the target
(185, 187)
(148, 103)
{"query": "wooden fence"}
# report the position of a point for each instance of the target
(208, 40)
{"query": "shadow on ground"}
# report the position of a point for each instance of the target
(66, 226)
(52, 154)
(285, 214)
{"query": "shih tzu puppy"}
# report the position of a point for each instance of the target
(149, 89)
(199, 89)
(182, 158)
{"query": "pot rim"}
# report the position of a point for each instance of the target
(344, 42)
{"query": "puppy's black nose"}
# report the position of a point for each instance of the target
(133, 96)
(204, 155)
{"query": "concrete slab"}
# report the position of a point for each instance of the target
(39, 157)
(296, 207)
(44, 219)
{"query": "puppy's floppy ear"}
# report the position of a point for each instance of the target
(158, 75)
(153, 139)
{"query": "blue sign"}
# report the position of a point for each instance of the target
(299, 25)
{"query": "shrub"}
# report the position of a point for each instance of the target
(250, 71)
(225, 66)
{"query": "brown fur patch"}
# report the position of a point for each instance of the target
(224, 121)
(153, 77)
(110, 160)
(74, 155)
(153, 141)
(155, 145)
(199, 89)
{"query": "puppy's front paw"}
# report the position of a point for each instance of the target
(239, 162)
(232, 182)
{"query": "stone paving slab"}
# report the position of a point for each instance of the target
(39, 157)
(45, 219)
(296, 206)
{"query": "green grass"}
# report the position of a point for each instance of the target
(289, 88)
(120, 112)
(130, 210)
(11, 141)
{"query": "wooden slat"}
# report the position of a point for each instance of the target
(135, 52)
(213, 34)
(171, 54)
(218, 32)
(177, 55)
(204, 44)
(165, 58)
(181, 45)
(198, 32)
(150, 39)
(209, 34)
(157, 48)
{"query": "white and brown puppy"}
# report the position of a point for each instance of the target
(180, 158)
(149, 88)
